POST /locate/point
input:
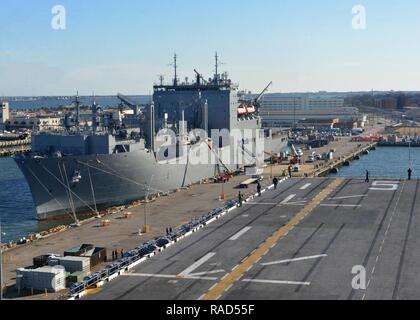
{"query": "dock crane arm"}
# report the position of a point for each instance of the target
(129, 103)
(262, 93)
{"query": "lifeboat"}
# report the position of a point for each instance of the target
(242, 111)
(251, 109)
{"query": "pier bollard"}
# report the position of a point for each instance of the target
(146, 229)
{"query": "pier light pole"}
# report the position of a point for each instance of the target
(146, 228)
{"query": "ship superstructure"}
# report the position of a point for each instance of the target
(191, 131)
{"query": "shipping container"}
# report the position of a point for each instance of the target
(78, 251)
(52, 279)
(74, 264)
(96, 256)
(41, 261)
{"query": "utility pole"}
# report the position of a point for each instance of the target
(146, 227)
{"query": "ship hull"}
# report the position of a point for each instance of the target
(109, 180)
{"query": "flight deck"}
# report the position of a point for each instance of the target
(330, 238)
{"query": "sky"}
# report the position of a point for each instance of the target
(123, 46)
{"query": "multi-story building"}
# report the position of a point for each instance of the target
(41, 122)
(279, 110)
(389, 103)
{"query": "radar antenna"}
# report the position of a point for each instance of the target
(77, 103)
(175, 65)
(216, 68)
(161, 79)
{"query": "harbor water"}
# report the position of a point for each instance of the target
(17, 211)
(18, 214)
(385, 162)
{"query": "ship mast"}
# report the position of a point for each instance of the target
(94, 114)
(175, 64)
(216, 67)
(77, 102)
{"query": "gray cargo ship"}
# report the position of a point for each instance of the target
(168, 145)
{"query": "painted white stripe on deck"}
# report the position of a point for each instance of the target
(261, 203)
(294, 260)
(168, 276)
(150, 275)
(197, 264)
(285, 201)
(240, 233)
(294, 283)
(341, 205)
(207, 272)
(348, 197)
(306, 186)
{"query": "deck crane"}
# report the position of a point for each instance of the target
(200, 77)
(256, 101)
(129, 103)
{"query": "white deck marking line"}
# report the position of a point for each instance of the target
(207, 272)
(201, 297)
(285, 201)
(306, 186)
(150, 275)
(201, 278)
(212, 287)
(294, 260)
(341, 205)
(348, 197)
(261, 203)
(295, 203)
(169, 276)
(197, 264)
(240, 234)
(228, 288)
(371, 279)
(294, 283)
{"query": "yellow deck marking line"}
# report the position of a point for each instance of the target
(217, 291)
(93, 291)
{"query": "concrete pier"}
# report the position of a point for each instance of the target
(167, 211)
